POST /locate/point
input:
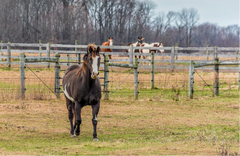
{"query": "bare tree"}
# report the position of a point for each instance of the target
(162, 25)
(93, 21)
(185, 21)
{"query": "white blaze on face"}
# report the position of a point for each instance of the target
(111, 42)
(95, 65)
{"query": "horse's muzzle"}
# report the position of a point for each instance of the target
(94, 75)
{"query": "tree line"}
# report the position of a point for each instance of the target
(94, 21)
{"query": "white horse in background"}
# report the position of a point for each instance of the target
(137, 44)
(156, 44)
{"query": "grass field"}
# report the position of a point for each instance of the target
(163, 121)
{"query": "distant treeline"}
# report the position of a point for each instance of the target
(94, 21)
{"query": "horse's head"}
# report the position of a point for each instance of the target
(161, 45)
(93, 60)
(110, 40)
(139, 42)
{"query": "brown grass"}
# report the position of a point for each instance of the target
(158, 127)
(155, 124)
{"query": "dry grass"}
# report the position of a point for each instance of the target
(162, 121)
(35, 89)
(125, 127)
(164, 79)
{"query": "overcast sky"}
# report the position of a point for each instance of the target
(221, 12)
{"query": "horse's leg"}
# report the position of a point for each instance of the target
(149, 63)
(70, 114)
(74, 116)
(110, 56)
(143, 57)
(136, 51)
(78, 119)
(95, 109)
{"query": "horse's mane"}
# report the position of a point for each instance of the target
(83, 67)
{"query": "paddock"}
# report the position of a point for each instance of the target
(164, 120)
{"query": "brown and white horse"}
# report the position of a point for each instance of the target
(137, 44)
(156, 44)
(108, 43)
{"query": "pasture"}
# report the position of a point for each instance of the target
(163, 121)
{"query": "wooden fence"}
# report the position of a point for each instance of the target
(216, 63)
(46, 52)
(135, 67)
(174, 59)
(24, 61)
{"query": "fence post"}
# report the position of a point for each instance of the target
(176, 51)
(40, 48)
(48, 54)
(152, 69)
(57, 76)
(22, 75)
(68, 60)
(191, 79)
(106, 96)
(237, 52)
(1, 51)
(76, 49)
(239, 74)
(131, 55)
(215, 52)
(136, 79)
(216, 76)
(207, 52)
(172, 57)
(9, 54)
(79, 58)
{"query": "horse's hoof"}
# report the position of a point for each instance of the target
(77, 133)
(95, 139)
(73, 136)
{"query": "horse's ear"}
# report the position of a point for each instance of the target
(98, 49)
(109, 37)
(90, 49)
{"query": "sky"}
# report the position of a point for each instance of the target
(220, 12)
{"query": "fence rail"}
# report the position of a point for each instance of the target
(10, 51)
(216, 63)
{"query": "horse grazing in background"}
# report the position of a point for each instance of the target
(156, 44)
(82, 87)
(108, 43)
(137, 44)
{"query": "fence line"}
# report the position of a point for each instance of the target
(216, 65)
(174, 55)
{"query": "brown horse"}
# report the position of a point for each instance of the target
(82, 87)
(108, 43)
